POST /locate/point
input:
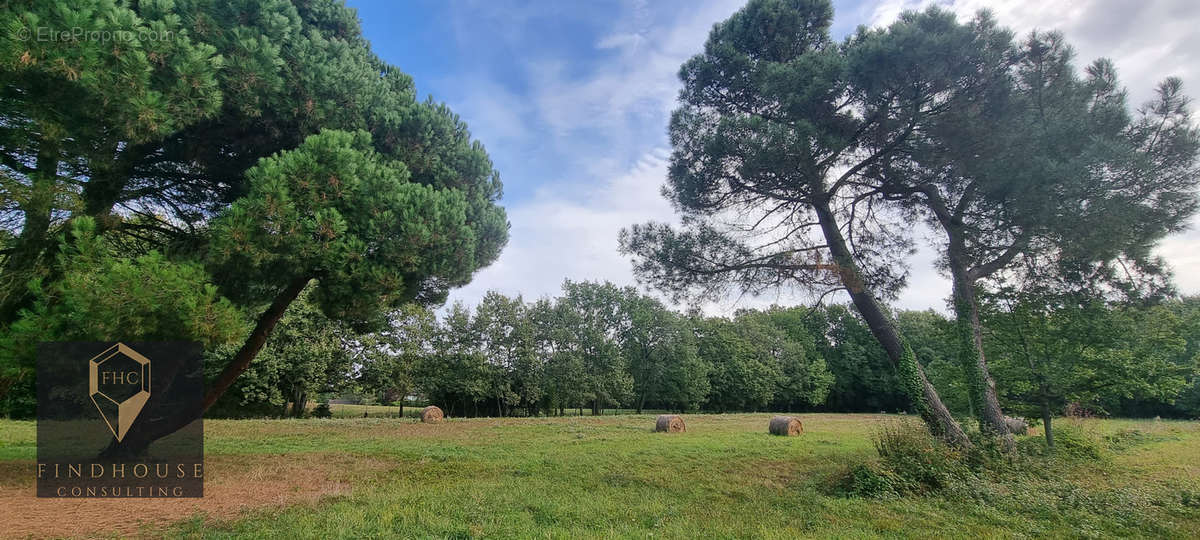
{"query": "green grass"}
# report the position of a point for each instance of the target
(347, 410)
(376, 411)
(724, 478)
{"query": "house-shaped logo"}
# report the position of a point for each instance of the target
(119, 386)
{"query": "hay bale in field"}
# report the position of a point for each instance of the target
(788, 426)
(670, 423)
(1016, 426)
(431, 414)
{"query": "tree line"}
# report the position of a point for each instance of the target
(595, 347)
(600, 346)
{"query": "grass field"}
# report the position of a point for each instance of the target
(613, 477)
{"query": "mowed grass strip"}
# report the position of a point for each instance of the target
(613, 477)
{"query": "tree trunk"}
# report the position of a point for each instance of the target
(153, 431)
(28, 247)
(1046, 418)
(255, 342)
(105, 184)
(923, 395)
(981, 388)
(300, 406)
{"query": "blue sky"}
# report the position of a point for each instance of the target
(571, 100)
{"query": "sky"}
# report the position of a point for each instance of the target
(572, 99)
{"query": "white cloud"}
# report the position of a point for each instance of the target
(1147, 41)
(607, 127)
(573, 235)
(604, 130)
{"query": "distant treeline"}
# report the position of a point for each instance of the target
(599, 346)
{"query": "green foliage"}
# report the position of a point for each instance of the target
(783, 147)
(592, 323)
(456, 375)
(148, 79)
(663, 356)
(1046, 180)
(1077, 442)
(601, 346)
(102, 296)
(335, 211)
(919, 462)
(933, 339)
(1053, 352)
(803, 378)
(863, 378)
(307, 354)
(909, 374)
(322, 410)
(79, 99)
(870, 482)
(388, 358)
(167, 115)
(507, 338)
(745, 373)
(776, 120)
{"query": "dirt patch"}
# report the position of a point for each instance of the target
(234, 485)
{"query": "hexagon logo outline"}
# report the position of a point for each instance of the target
(129, 408)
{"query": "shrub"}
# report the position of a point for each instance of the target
(869, 481)
(322, 411)
(911, 462)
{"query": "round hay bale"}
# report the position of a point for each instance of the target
(788, 426)
(1016, 426)
(431, 414)
(670, 423)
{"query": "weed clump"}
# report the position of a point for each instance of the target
(911, 462)
(1073, 441)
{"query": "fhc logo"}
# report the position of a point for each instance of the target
(119, 384)
(120, 419)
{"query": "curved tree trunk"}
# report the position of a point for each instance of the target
(255, 342)
(923, 395)
(153, 431)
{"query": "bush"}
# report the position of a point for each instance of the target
(322, 411)
(912, 462)
(869, 481)
(921, 462)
